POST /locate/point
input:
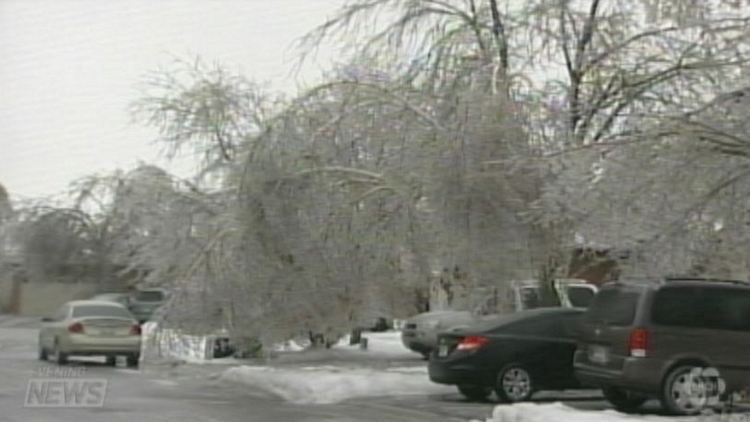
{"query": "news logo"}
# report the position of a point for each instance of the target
(65, 389)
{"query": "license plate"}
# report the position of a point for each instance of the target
(598, 354)
(443, 350)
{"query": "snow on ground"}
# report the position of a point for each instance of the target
(558, 412)
(332, 384)
(167, 344)
(383, 350)
(384, 344)
(310, 376)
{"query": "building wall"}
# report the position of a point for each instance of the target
(41, 299)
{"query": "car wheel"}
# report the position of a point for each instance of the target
(42, 353)
(111, 361)
(475, 392)
(623, 400)
(683, 393)
(132, 361)
(514, 384)
(59, 357)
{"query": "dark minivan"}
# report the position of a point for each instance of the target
(683, 341)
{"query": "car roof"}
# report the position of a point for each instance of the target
(552, 310)
(439, 315)
(707, 282)
(494, 321)
(658, 283)
(94, 303)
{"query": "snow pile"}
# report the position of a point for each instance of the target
(290, 346)
(383, 349)
(558, 412)
(331, 384)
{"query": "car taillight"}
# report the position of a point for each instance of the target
(638, 343)
(472, 343)
(76, 328)
(135, 330)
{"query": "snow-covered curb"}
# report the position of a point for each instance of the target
(331, 384)
(558, 412)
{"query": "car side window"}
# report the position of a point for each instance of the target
(710, 308)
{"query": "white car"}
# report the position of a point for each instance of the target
(90, 327)
(420, 332)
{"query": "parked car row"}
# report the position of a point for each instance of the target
(420, 333)
(142, 303)
(683, 342)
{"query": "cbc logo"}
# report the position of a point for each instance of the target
(703, 387)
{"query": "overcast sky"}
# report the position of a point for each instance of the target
(70, 68)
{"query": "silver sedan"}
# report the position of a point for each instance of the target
(90, 327)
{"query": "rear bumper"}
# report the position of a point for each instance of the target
(458, 374)
(88, 345)
(637, 374)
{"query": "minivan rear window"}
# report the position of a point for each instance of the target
(703, 307)
(614, 307)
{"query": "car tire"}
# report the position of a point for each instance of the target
(59, 357)
(111, 361)
(475, 392)
(623, 400)
(132, 361)
(675, 399)
(514, 384)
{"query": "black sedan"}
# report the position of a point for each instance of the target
(514, 355)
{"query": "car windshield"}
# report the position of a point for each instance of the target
(613, 307)
(81, 311)
(531, 297)
(149, 296)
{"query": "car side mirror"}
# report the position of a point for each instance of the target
(47, 319)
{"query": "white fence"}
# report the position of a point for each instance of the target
(163, 344)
